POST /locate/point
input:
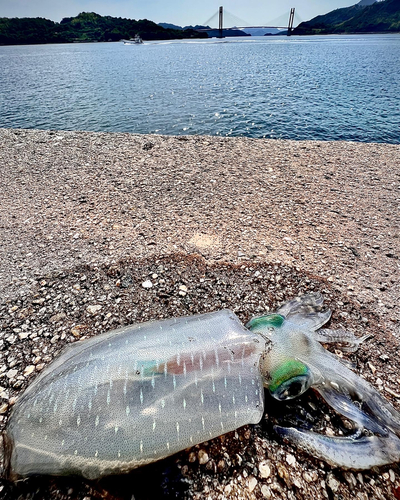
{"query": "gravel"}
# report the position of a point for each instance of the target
(102, 230)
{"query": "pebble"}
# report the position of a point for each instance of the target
(203, 457)
(3, 408)
(394, 394)
(147, 284)
(332, 483)
(252, 483)
(266, 492)
(11, 374)
(265, 470)
(290, 459)
(77, 330)
(28, 370)
(311, 476)
(58, 317)
(93, 309)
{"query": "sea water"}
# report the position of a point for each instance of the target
(342, 87)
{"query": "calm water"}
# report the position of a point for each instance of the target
(326, 88)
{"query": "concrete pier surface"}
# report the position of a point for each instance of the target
(330, 208)
(103, 229)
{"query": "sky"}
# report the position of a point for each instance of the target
(180, 12)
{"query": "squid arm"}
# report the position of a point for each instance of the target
(353, 452)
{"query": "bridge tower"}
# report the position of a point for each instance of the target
(220, 21)
(291, 20)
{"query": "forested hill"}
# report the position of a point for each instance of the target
(380, 17)
(86, 27)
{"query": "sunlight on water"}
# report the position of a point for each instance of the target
(325, 88)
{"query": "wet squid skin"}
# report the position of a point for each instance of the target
(138, 394)
(135, 395)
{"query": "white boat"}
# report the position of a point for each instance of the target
(133, 41)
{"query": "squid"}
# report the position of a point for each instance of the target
(129, 397)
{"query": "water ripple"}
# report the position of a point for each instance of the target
(325, 88)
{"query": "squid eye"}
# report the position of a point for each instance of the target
(289, 380)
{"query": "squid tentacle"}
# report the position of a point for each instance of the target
(353, 452)
(344, 405)
(327, 336)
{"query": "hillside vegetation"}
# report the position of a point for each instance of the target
(380, 17)
(86, 27)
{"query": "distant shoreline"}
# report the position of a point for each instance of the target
(200, 39)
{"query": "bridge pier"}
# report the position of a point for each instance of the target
(291, 20)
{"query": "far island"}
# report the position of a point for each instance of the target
(367, 16)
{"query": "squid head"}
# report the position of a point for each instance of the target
(297, 361)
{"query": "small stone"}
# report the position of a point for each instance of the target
(310, 477)
(290, 459)
(28, 370)
(221, 464)
(4, 393)
(23, 335)
(54, 339)
(284, 474)
(265, 470)
(266, 492)
(371, 367)
(147, 284)
(392, 393)
(3, 408)
(297, 483)
(93, 309)
(182, 290)
(203, 457)
(332, 483)
(392, 475)
(252, 483)
(11, 374)
(77, 330)
(351, 479)
(40, 367)
(57, 317)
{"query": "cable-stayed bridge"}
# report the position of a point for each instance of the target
(223, 17)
